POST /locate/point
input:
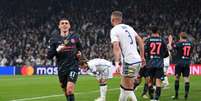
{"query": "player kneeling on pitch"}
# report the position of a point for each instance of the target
(103, 70)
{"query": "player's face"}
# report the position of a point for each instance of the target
(64, 25)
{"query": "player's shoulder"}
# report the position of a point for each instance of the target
(94, 60)
(190, 42)
(120, 27)
(55, 37)
(146, 40)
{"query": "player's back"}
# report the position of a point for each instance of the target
(156, 49)
(126, 36)
(97, 63)
(184, 51)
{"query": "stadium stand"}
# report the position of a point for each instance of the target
(26, 25)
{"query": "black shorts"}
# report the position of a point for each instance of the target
(69, 74)
(183, 69)
(156, 72)
(143, 72)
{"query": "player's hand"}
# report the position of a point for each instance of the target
(60, 47)
(169, 46)
(143, 63)
(118, 67)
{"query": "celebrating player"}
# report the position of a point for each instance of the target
(156, 48)
(66, 47)
(103, 70)
(123, 38)
(183, 48)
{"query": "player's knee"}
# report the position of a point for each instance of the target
(102, 81)
(70, 89)
(158, 82)
(127, 82)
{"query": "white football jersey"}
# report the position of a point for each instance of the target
(99, 64)
(125, 34)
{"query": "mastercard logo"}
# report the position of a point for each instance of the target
(27, 70)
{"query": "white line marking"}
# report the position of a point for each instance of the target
(25, 78)
(58, 95)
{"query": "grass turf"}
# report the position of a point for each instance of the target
(47, 88)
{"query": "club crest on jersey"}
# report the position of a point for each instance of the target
(72, 40)
(66, 41)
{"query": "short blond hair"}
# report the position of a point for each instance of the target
(117, 14)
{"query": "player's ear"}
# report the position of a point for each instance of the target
(59, 26)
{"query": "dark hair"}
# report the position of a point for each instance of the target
(83, 61)
(154, 29)
(63, 18)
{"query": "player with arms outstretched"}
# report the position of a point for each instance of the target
(123, 39)
(156, 48)
(103, 70)
(66, 47)
(183, 49)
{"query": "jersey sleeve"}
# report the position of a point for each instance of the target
(51, 49)
(113, 35)
(134, 32)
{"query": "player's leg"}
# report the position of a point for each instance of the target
(186, 73)
(165, 80)
(150, 82)
(127, 82)
(127, 89)
(102, 79)
(103, 90)
(70, 91)
(145, 89)
(137, 82)
(63, 82)
(158, 74)
(177, 77)
(70, 87)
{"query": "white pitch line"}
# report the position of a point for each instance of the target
(57, 95)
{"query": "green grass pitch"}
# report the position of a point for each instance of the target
(46, 88)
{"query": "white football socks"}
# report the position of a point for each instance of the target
(103, 91)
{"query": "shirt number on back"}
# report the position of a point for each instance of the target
(155, 48)
(186, 50)
(129, 35)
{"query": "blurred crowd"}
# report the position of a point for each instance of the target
(27, 25)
